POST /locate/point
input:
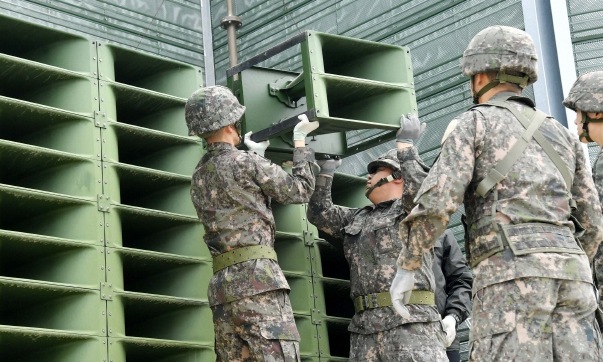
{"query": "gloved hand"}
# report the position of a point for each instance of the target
(402, 286)
(449, 325)
(410, 130)
(328, 166)
(257, 147)
(304, 127)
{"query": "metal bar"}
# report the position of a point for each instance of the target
(266, 54)
(280, 127)
(538, 20)
(208, 44)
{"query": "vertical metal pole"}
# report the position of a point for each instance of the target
(547, 90)
(208, 44)
(231, 23)
(556, 63)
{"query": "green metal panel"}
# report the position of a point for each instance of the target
(170, 28)
(53, 48)
(147, 71)
(347, 84)
(102, 253)
(50, 346)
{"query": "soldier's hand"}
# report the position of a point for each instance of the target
(410, 130)
(328, 166)
(400, 291)
(301, 130)
(449, 325)
(257, 147)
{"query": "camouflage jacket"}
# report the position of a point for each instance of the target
(532, 192)
(371, 244)
(232, 192)
(598, 262)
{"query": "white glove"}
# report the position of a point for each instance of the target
(411, 128)
(449, 325)
(257, 147)
(304, 127)
(402, 286)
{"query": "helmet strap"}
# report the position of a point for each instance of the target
(585, 121)
(501, 77)
(379, 183)
(237, 125)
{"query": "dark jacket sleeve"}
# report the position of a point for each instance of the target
(459, 278)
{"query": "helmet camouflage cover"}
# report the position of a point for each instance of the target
(388, 159)
(211, 108)
(501, 49)
(586, 93)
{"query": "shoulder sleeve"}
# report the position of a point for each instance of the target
(284, 187)
(322, 213)
(414, 172)
(588, 207)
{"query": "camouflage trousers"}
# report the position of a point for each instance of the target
(417, 342)
(257, 328)
(535, 319)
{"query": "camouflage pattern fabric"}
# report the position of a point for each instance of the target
(417, 342)
(500, 48)
(533, 192)
(535, 319)
(211, 108)
(598, 262)
(257, 328)
(232, 192)
(587, 93)
(371, 242)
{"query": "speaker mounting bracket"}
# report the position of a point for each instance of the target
(282, 90)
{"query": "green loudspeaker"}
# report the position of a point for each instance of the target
(347, 84)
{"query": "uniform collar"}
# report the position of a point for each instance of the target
(217, 146)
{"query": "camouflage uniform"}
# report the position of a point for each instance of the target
(371, 243)
(232, 192)
(529, 304)
(598, 262)
(586, 95)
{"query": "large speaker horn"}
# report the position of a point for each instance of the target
(347, 84)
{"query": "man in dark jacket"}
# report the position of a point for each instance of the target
(453, 289)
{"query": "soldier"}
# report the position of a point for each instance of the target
(533, 297)
(453, 289)
(371, 243)
(586, 99)
(231, 191)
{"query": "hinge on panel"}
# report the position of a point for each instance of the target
(103, 202)
(106, 291)
(308, 238)
(316, 317)
(100, 119)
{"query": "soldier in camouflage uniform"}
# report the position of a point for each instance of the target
(232, 191)
(371, 243)
(533, 297)
(586, 99)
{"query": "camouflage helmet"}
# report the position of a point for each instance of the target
(388, 159)
(501, 49)
(211, 108)
(586, 93)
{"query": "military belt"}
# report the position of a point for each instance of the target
(378, 300)
(242, 254)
